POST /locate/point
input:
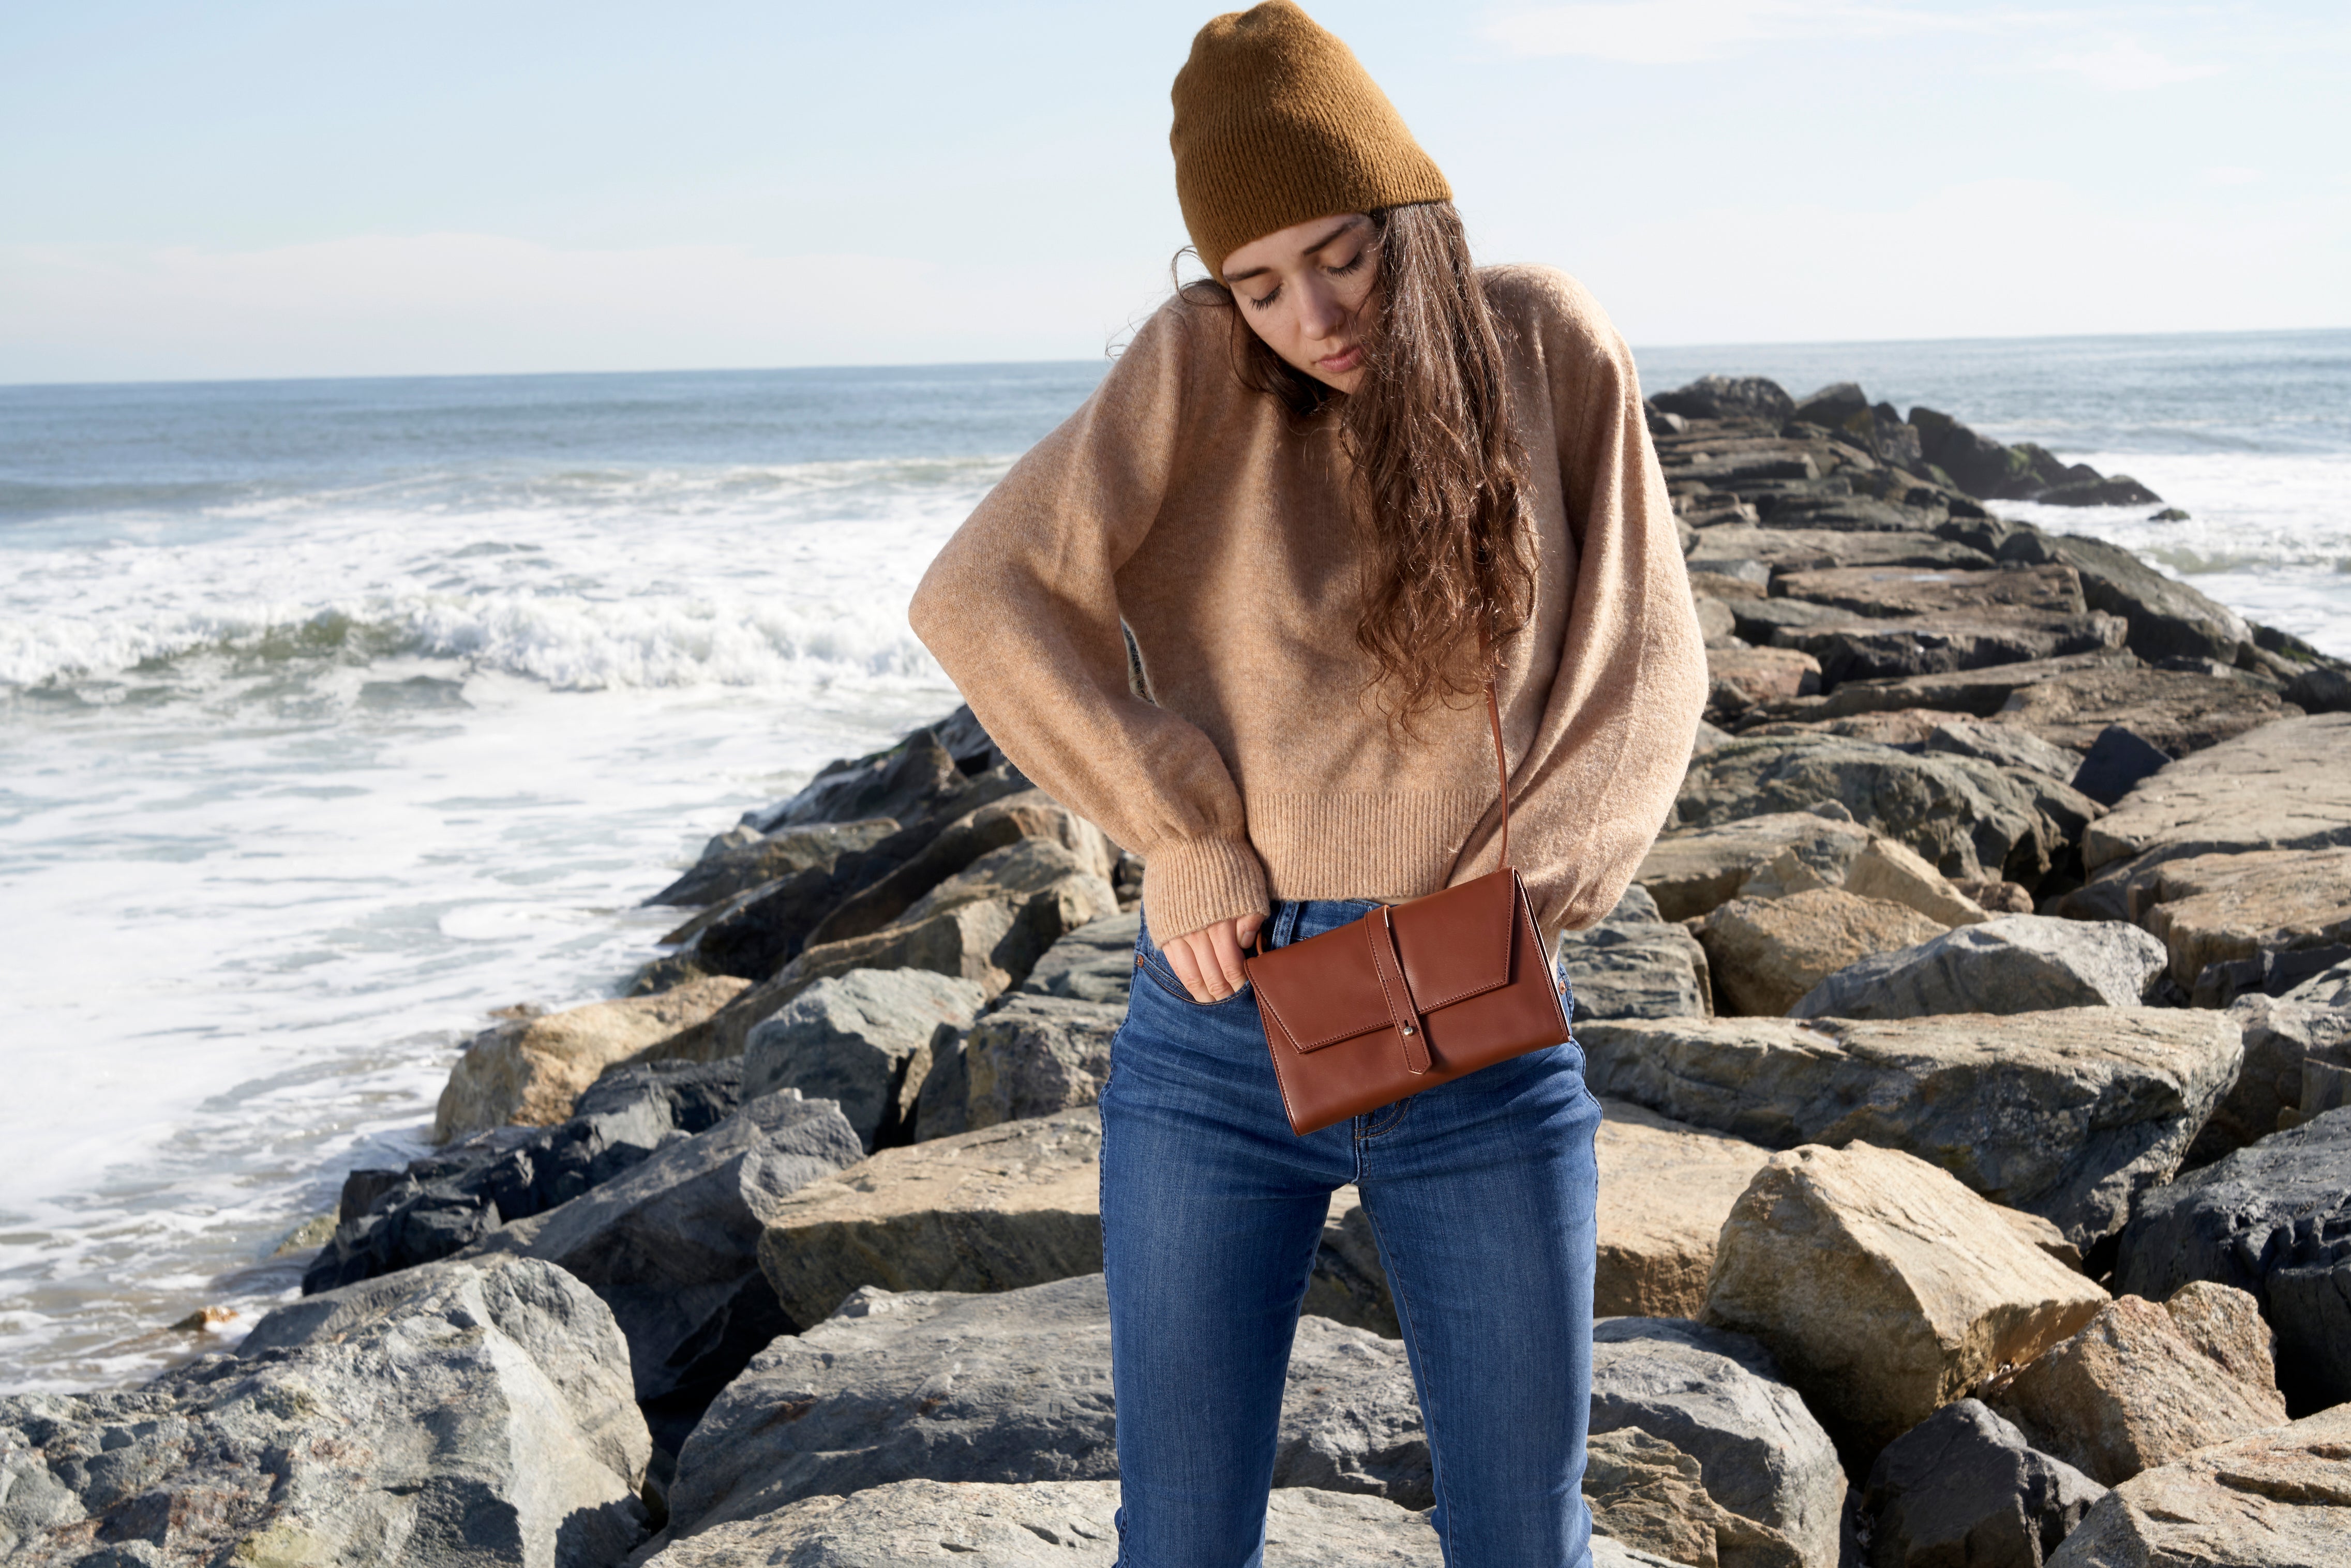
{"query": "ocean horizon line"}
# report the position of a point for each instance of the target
(901, 367)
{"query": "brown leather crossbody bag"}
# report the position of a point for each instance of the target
(1412, 995)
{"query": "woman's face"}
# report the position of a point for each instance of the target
(1306, 290)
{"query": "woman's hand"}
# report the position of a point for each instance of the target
(1209, 961)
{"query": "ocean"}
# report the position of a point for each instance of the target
(335, 715)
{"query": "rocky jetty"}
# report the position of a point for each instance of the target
(1975, 1046)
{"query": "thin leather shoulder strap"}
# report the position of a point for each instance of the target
(1501, 764)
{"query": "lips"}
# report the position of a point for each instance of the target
(1340, 364)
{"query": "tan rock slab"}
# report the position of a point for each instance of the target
(2283, 786)
(1981, 693)
(1666, 1187)
(2210, 909)
(1007, 1206)
(2181, 711)
(1765, 953)
(1690, 871)
(1812, 549)
(528, 1072)
(2277, 1499)
(1743, 677)
(1645, 1493)
(1904, 592)
(1884, 1288)
(2142, 1384)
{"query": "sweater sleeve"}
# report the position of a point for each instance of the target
(1612, 742)
(1022, 609)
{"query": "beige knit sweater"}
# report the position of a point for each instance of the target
(1192, 509)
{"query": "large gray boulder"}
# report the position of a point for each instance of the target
(1009, 1388)
(851, 1038)
(2278, 1498)
(2015, 963)
(2291, 1045)
(1964, 1487)
(1966, 817)
(909, 779)
(2167, 617)
(742, 858)
(2066, 1114)
(1047, 1524)
(1034, 1056)
(1635, 964)
(2273, 1219)
(451, 1415)
(1717, 1396)
(1095, 963)
(671, 1247)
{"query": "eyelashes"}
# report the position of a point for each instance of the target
(1266, 301)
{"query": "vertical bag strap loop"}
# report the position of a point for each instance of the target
(1494, 718)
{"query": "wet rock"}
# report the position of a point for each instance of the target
(1009, 1388)
(2320, 689)
(909, 779)
(1965, 1486)
(728, 868)
(1883, 1288)
(1636, 964)
(2016, 964)
(2278, 1499)
(2279, 786)
(1979, 465)
(1666, 1187)
(2115, 762)
(999, 824)
(2064, 1115)
(2273, 1219)
(2114, 490)
(439, 1205)
(2167, 616)
(851, 1038)
(2130, 1390)
(1728, 397)
(452, 1414)
(1094, 963)
(1966, 818)
(530, 1070)
(671, 1247)
(989, 923)
(2220, 908)
(1719, 1398)
(1035, 1056)
(1013, 1204)
(1766, 953)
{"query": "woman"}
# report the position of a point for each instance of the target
(1331, 494)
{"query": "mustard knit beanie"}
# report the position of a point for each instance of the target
(1276, 122)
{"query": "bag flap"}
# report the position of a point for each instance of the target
(1457, 944)
(1323, 989)
(1453, 945)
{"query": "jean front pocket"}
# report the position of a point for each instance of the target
(1151, 960)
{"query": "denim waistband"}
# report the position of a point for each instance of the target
(1291, 920)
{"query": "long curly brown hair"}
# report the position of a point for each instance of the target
(1440, 480)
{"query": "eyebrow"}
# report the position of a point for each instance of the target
(1346, 225)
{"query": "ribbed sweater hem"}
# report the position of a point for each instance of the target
(1189, 884)
(1387, 844)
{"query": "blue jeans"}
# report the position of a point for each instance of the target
(1482, 1194)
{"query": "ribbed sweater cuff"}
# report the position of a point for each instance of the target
(1191, 882)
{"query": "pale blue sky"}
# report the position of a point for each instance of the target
(264, 189)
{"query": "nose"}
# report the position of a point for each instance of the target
(1320, 314)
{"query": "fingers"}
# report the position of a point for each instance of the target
(1227, 952)
(1180, 958)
